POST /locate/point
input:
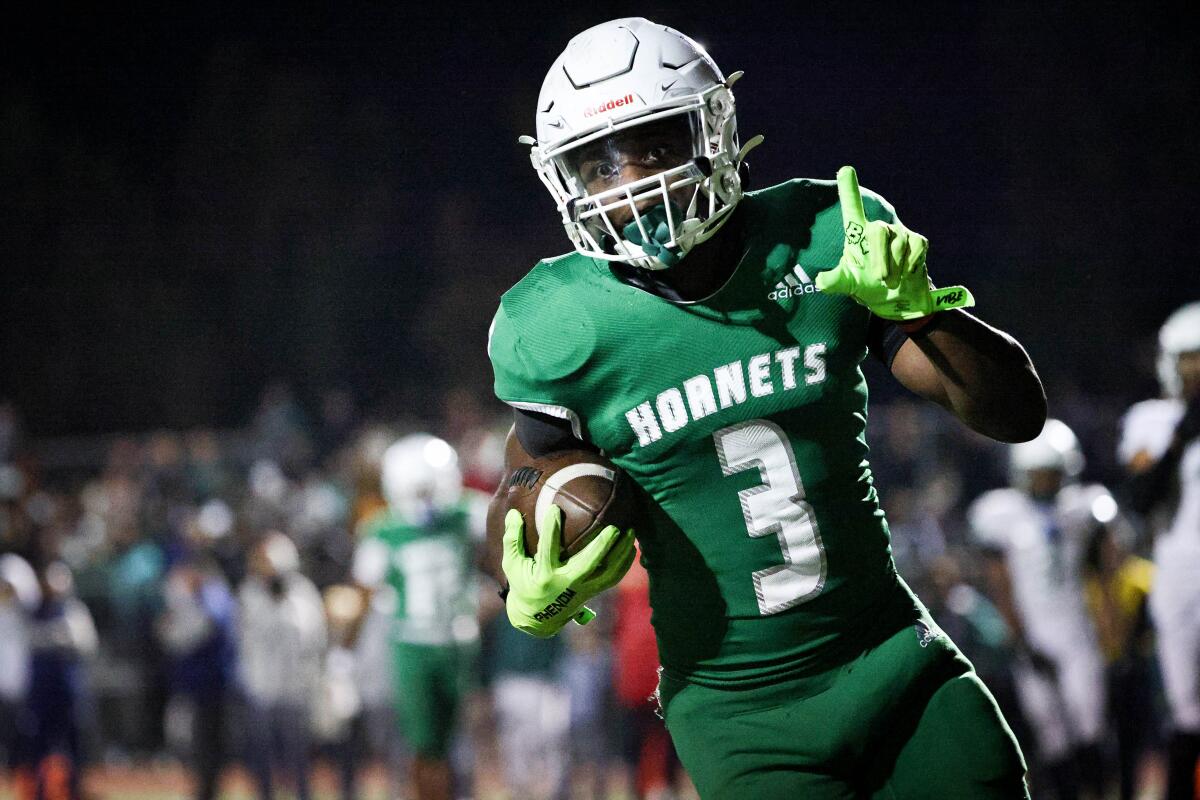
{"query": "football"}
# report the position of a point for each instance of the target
(592, 492)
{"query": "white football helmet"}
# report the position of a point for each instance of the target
(1054, 448)
(619, 75)
(1179, 334)
(420, 477)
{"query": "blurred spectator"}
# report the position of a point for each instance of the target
(366, 466)
(196, 629)
(317, 517)
(16, 525)
(151, 501)
(62, 636)
(281, 647)
(20, 597)
(339, 415)
(339, 710)
(587, 677)
(532, 710)
(372, 648)
(646, 749)
(482, 452)
(1117, 589)
(280, 429)
(208, 476)
(164, 488)
(269, 493)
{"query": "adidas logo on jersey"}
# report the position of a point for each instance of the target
(794, 284)
(925, 634)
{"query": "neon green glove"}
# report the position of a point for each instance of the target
(543, 592)
(883, 265)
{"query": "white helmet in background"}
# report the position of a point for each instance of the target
(1179, 334)
(1055, 448)
(22, 581)
(420, 477)
(620, 75)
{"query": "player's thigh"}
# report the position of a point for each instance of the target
(961, 747)
(753, 744)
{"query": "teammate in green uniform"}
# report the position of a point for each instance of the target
(421, 552)
(709, 342)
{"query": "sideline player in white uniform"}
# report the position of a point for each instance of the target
(1039, 530)
(1160, 447)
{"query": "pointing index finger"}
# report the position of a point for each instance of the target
(850, 198)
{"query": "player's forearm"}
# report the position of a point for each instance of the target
(491, 560)
(493, 549)
(985, 376)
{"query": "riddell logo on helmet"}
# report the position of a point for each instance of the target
(608, 105)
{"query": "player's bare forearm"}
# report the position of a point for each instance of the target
(977, 372)
(493, 551)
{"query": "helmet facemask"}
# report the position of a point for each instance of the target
(653, 221)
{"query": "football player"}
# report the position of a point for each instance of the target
(421, 550)
(1160, 448)
(709, 342)
(1038, 531)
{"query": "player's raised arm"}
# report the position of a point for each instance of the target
(980, 374)
(883, 264)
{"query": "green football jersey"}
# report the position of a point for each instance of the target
(428, 572)
(742, 419)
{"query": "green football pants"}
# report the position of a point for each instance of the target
(905, 720)
(430, 684)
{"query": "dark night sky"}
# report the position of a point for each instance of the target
(197, 202)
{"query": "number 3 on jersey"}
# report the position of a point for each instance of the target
(777, 507)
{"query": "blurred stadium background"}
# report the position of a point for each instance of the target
(244, 249)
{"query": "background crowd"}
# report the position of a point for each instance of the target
(199, 199)
(183, 595)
